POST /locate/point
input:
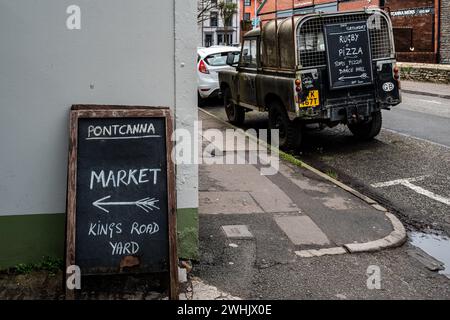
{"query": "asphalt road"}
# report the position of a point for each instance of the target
(266, 268)
(421, 117)
(406, 167)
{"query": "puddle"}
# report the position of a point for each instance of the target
(436, 246)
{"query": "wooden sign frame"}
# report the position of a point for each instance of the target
(105, 111)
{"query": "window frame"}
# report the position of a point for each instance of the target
(242, 64)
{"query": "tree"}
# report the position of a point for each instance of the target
(204, 8)
(227, 10)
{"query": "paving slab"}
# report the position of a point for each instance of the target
(346, 218)
(274, 200)
(227, 202)
(230, 141)
(301, 181)
(301, 230)
(234, 177)
(343, 217)
(237, 232)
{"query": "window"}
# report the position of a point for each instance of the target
(220, 59)
(229, 22)
(312, 42)
(208, 40)
(247, 3)
(213, 19)
(224, 38)
(329, 7)
(247, 16)
(249, 54)
(229, 39)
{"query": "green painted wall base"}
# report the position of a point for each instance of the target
(187, 231)
(29, 238)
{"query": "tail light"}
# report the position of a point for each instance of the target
(396, 73)
(202, 67)
(298, 85)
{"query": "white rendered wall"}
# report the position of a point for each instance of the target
(127, 52)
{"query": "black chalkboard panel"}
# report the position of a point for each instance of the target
(349, 55)
(121, 198)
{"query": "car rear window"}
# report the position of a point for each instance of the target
(219, 59)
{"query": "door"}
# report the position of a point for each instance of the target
(248, 66)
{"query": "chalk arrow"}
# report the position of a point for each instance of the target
(146, 204)
(362, 76)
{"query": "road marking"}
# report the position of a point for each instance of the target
(416, 138)
(431, 101)
(408, 183)
(397, 182)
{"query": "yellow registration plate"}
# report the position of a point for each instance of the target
(312, 100)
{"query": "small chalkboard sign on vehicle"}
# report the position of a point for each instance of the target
(349, 54)
(121, 192)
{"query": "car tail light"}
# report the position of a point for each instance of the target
(202, 67)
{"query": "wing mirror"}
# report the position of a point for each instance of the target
(232, 59)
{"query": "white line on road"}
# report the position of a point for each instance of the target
(431, 101)
(427, 193)
(408, 183)
(416, 138)
(397, 182)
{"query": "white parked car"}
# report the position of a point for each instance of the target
(209, 62)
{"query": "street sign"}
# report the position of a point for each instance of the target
(255, 22)
(121, 192)
(349, 56)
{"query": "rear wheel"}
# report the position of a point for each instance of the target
(290, 132)
(369, 129)
(235, 113)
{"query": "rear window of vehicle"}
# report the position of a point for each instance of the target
(220, 59)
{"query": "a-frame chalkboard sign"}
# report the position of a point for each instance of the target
(121, 192)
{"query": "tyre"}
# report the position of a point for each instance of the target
(235, 113)
(290, 132)
(369, 129)
(200, 101)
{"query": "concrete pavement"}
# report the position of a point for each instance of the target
(288, 236)
(414, 143)
(307, 209)
(426, 88)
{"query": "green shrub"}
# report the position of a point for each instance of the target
(49, 264)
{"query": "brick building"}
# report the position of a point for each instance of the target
(263, 9)
(445, 32)
(421, 27)
(416, 29)
(247, 8)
